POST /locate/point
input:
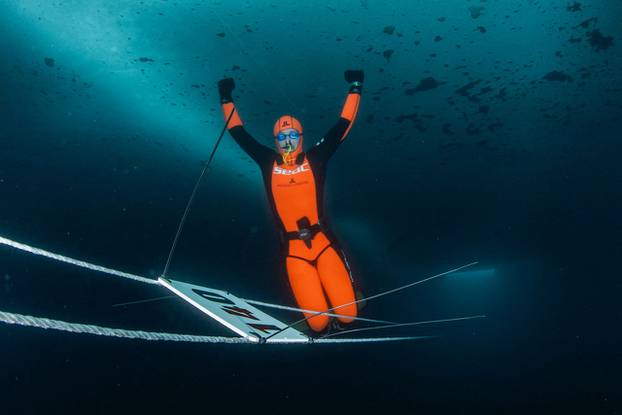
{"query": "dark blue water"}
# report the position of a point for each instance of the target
(488, 131)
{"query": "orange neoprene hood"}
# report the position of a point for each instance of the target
(285, 122)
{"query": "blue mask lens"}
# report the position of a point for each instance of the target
(294, 136)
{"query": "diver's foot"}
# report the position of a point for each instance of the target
(335, 326)
(306, 330)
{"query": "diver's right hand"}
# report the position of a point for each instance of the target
(354, 75)
(225, 87)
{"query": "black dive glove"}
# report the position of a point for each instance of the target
(225, 87)
(355, 79)
(354, 76)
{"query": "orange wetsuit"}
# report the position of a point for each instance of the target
(317, 269)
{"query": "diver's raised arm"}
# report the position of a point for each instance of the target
(350, 108)
(252, 147)
(225, 88)
(325, 148)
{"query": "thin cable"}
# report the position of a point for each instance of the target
(374, 296)
(389, 326)
(148, 300)
(283, 307)
(261, 304)
(372, 339)
(194, 191)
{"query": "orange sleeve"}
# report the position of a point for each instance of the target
(350, 108)
(235, 118)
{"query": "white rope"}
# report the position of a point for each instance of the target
(76, 262)
(62, 258)
(46, 323)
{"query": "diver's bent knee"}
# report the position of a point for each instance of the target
(348, 314)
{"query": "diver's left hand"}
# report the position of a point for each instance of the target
(354, 75)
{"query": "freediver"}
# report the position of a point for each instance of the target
(317, 269)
